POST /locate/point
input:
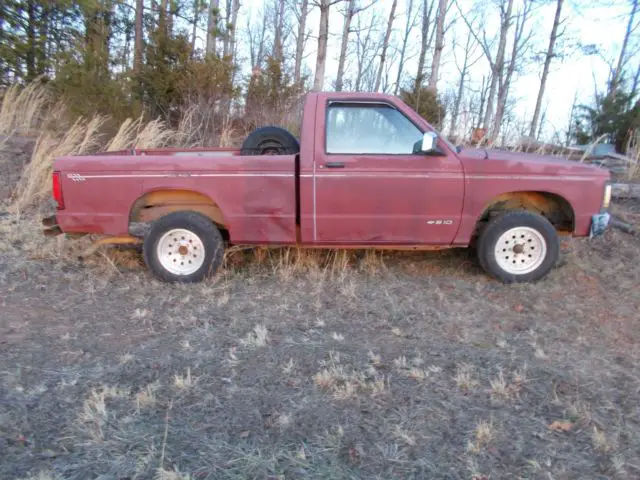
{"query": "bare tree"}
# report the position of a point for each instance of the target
(212, 26)
(533, 130)
(443, 6)
(235, 8)
(346, 30)
(323, 38)
(520, 41)
(408, 28)
(636, 82)
(351, 11)
(139, 37)
(467, 62)
(497, 65)
(256, 34)
(426, 36)
(278, 32)
(366, 47)
(387, 35)
(484, 90)
(617, 73)
(571, 120)
(231, 17)
(301, 38)
(497, 62)
(194, 25)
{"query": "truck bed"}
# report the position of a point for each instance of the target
(256, 193)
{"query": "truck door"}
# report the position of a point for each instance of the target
(370, 188)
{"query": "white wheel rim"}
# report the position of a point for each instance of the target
(180, 252)
(520, 250)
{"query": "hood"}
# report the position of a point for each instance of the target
(480, 160)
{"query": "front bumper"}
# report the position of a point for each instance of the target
(599, 223)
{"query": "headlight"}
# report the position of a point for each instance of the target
(607, 196)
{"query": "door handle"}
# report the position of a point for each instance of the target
(334, 164)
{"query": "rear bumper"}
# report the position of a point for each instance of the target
(599, 223)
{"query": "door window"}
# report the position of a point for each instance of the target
(370, 129)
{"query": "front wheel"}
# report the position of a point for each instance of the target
(183, 247)
(518, 247)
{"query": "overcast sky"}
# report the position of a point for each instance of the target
(575, 73)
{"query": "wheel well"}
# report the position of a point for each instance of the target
(156, 204)
(553, 207)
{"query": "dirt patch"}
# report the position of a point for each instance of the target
(365, 366)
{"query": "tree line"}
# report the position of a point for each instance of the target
(163, 57)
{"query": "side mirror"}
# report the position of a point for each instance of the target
(429, 142)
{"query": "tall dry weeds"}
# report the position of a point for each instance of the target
(24, 109)
(137, 134)
(194, 127)
(154, 134)
(592, 147)
(633, 154)
(35, 183)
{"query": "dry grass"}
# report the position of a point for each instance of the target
(126, 135)
(94, 414)
(274, 410)
(321, 265)
(185, 380)
(589, 150)
(600, 441)
(154, 134)
(227, 135)
(258, 337)
(482, 436)
(138, 134)
(633, 154)
(147, 397)
(345, 384)
(502, 388)
(28, 111)
(163, 474)
(23, 109)
(43, 475)
(465, 377)
(35, 184)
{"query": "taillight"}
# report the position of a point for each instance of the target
(57, 190)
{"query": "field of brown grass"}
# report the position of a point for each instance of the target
(297, 365)
(336, 365)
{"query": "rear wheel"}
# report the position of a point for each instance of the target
(270, 141)
(518, 247)
(183, 247)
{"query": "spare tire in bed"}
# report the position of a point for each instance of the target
(270, 141)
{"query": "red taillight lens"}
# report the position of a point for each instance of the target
(57, 190)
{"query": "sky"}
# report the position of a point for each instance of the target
(572, 75)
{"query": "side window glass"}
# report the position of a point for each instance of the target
(373, 129)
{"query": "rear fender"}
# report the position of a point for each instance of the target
(156, 204)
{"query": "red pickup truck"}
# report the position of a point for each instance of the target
(368, 173)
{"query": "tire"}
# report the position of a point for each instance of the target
(270, 141)
(173, 245)
(529, 247)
